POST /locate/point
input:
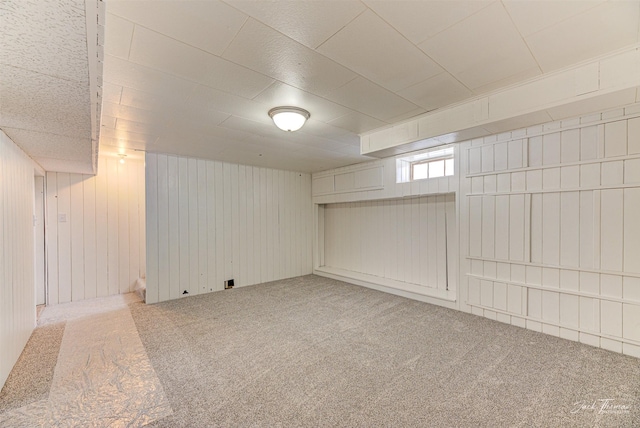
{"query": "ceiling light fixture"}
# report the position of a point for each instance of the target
(289, 118)
(122, 156)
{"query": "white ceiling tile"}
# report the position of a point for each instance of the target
(108, 122)
(206, 99)
(111, 93)
(373, 49)
(265, 50)
(419, 20)
(436, 92)
(281, 94)
(134, 114)
(308, 22)
(208, 25)
(118, 35)
(484, 48)
(357, 123)
(322, 129)
(604, 28)
(129, 126)
(364, 96)
(253, 127)
(513, 79)
(154, 50)
(408, 115)
(533, 16)
(127, 74)
(161, 101)
(121, 135)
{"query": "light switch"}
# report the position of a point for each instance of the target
(62, 218)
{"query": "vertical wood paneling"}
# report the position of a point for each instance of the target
(183, 226)
(124, 256)
(64, 238)
(102, 231)
(52, 238)
(571, 228)
(632, 230)
(89, 238)
(151, 211)
(17, 288)
(611, 231)
(194, 260)
(242, 226)
(404, 240)
(163, 225)
(203, 271)
(488, 226)
(76, 222)
(112, 224)
(516, 227)
(211, 229)
(101, 237)
(133, 191)
(501, 227)
(173, 232)
(232, 221)
(551, 228)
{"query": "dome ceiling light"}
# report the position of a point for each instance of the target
(289, 118)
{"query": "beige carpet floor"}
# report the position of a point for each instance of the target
(311, 351)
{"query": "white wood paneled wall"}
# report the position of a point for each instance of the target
(17, 291)
(375, 214)
(403, 241)
(551, 228)
(209, 221)
(95, 231)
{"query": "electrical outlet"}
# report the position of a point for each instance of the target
(228, 284)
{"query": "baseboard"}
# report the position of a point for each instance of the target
(445, 298)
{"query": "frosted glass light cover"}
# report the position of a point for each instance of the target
(289, 118)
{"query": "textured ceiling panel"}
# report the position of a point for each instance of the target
(48, 37)
(39, 102)
(42, 144)
(50, 79)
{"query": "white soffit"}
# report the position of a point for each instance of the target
(50, 78)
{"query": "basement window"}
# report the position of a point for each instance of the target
(432, 164)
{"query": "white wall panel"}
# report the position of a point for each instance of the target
(233, 221)
(17, 288)
(94, 237)
(403, 240)
(567, 239)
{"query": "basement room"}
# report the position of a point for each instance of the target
(319, 213)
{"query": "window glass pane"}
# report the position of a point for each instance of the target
(420, 171)
(448, 167)
(436, 169)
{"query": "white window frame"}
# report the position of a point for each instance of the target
(405, 165)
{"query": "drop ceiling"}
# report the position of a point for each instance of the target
(197, 78)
